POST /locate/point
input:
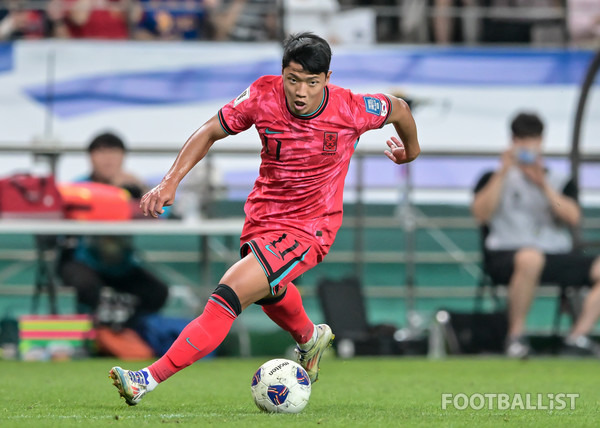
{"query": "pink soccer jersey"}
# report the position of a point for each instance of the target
(304, 159)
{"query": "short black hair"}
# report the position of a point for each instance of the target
(312, 52)
(106, 140)
(527, 124)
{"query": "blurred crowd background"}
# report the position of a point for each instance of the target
(537, 22)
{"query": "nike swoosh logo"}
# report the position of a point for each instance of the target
(269, 131)
(268, 248)
(187, 339)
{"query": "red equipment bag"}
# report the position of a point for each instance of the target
(95, 201)
(125, 344)
(27, 196)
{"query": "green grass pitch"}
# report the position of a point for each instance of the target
(361, 392)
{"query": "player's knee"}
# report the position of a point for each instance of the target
(230, 297)
(529, 260)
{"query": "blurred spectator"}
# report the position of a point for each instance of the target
(388, 25)
(245, 20)
(584, 21)
(95, 19)
(315, 15)
(174, 19)
(355, 25)
(104, 270)
(19, 22)
(107, 156)
(528, 210)
(522, 21)
(454, 21)
(413, 22)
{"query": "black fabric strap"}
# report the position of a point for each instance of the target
(230, 297)
(271, 300)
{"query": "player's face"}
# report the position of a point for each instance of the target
(303, 90)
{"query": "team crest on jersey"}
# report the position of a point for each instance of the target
(375, 106)
(330, 142)
(243, 96)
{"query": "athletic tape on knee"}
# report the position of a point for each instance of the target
(271, 300)
(226, 293)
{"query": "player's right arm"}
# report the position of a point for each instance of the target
(192, 152)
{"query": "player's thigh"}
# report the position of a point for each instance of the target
(248, 280)
(283, 256)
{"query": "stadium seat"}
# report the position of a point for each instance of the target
(344, 309)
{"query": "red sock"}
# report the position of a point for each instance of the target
(289, 314)
(198, 339)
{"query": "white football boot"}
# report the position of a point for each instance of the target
(132, 385)
(309, 359)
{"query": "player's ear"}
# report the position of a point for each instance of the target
(327, 76)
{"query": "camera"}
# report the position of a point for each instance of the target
(526, 156)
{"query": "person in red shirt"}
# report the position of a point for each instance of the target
(309, 130)
(95, 19)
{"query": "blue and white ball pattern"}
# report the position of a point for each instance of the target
(281, 386)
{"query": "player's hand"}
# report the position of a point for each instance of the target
(396, 153)
(161, 196)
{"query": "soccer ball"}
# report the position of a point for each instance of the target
(281, 386)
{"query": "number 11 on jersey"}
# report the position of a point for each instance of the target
(277, 148)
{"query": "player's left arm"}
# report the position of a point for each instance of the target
(406, 149)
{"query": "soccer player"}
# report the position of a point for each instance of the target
(309, 130)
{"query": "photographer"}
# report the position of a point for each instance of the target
(528, 211)
(104, 270)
